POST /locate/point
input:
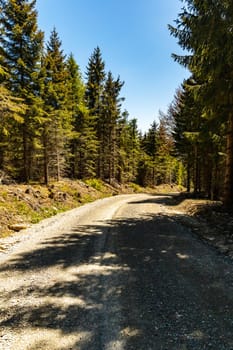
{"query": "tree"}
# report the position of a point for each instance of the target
(56, 129)
(186, 132)
(130, 148)
(87, 144)
(93, 96)
(204, 28)
(21, 46)
(75, 102)
(11, 109)
(111, 112)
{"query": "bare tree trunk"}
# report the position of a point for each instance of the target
(228, 190)
(25, 156)
(45, 151)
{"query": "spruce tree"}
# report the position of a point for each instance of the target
(75, 99)
(111, 112)
(11, 109)
(127, 145)
(21, 46)
(204, 29)
(83, 141)
(57, 116)
(94, 92)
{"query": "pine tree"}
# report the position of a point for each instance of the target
(84, 142)
(93, 96)
(150, 147)
(204, 29)
(57, 116)
(198, 141)
(21, 45)
(87, 144)
(111, 112)
(11, 109)
(132, 150)
(164, 159)
(75, 99)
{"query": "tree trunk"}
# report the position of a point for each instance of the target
(228, 190)
(25, 157)
(189, 176)
(45, 151)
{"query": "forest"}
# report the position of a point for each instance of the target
(55, 123)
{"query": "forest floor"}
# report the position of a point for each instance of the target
(24, 205)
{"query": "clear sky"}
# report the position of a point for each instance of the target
(134, 41)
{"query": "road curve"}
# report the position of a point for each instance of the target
(121, 273)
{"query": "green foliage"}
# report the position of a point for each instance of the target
(57, 122)
(203, 28)
(135, 187)
(97, 184)
(21, 44)
(56, 125)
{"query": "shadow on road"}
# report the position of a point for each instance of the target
(129, 284)
(167, 199)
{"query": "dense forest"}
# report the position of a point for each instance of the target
(55, 123)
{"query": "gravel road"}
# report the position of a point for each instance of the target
(119, 273)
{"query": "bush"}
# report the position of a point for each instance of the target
(95, 183)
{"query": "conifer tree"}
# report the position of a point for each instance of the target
(132, 150)
(204, 29)
(87, 144)
(128, 148)
(186, 131)
(111, 112)
(198, 141)
(11, 109)
(83, 141)
(164, 160)
(21, 46)
(75, 100)
(93, 96)
(57, 116)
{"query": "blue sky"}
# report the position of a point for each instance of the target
(134, 41)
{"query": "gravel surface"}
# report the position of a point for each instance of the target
(120, 273)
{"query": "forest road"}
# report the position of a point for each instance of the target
(119, 273)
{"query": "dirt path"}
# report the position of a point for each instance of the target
(120, 273)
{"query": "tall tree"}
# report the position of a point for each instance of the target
(75, 99)
(21, 47)
(111, 113)
(83, 141)
(204, 28)
(93, 95)
(11, 109)
(57, 116)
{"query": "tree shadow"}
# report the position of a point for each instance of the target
(128, 283)
(167, 199)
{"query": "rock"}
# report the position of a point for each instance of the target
(18, 227)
